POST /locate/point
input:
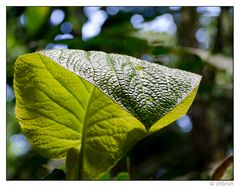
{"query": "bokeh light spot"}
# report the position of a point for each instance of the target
(185, 124)
(164, 23)
(66, 27)
(19, 144)
(10, 93)
(175, 8)
(96, 19)
(112, 10)
(22, 20)
(57, 16)
(209, 11)
(56, 46)
(63, 37)
(137, 21)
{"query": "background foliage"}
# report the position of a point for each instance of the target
(197, 39)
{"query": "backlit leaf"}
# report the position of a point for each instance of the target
(94, 106)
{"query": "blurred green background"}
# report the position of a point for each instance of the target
(197, 39)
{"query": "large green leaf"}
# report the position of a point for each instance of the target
(95, 106)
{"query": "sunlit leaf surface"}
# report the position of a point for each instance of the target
(96, 104)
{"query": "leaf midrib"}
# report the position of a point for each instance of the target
(83, 138)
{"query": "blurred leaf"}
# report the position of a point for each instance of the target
(224, 171)
(105, 176)
(35, 18)
(155, 37)
(122, 176)
(117, 29)
(218, 61)
(125, 45)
